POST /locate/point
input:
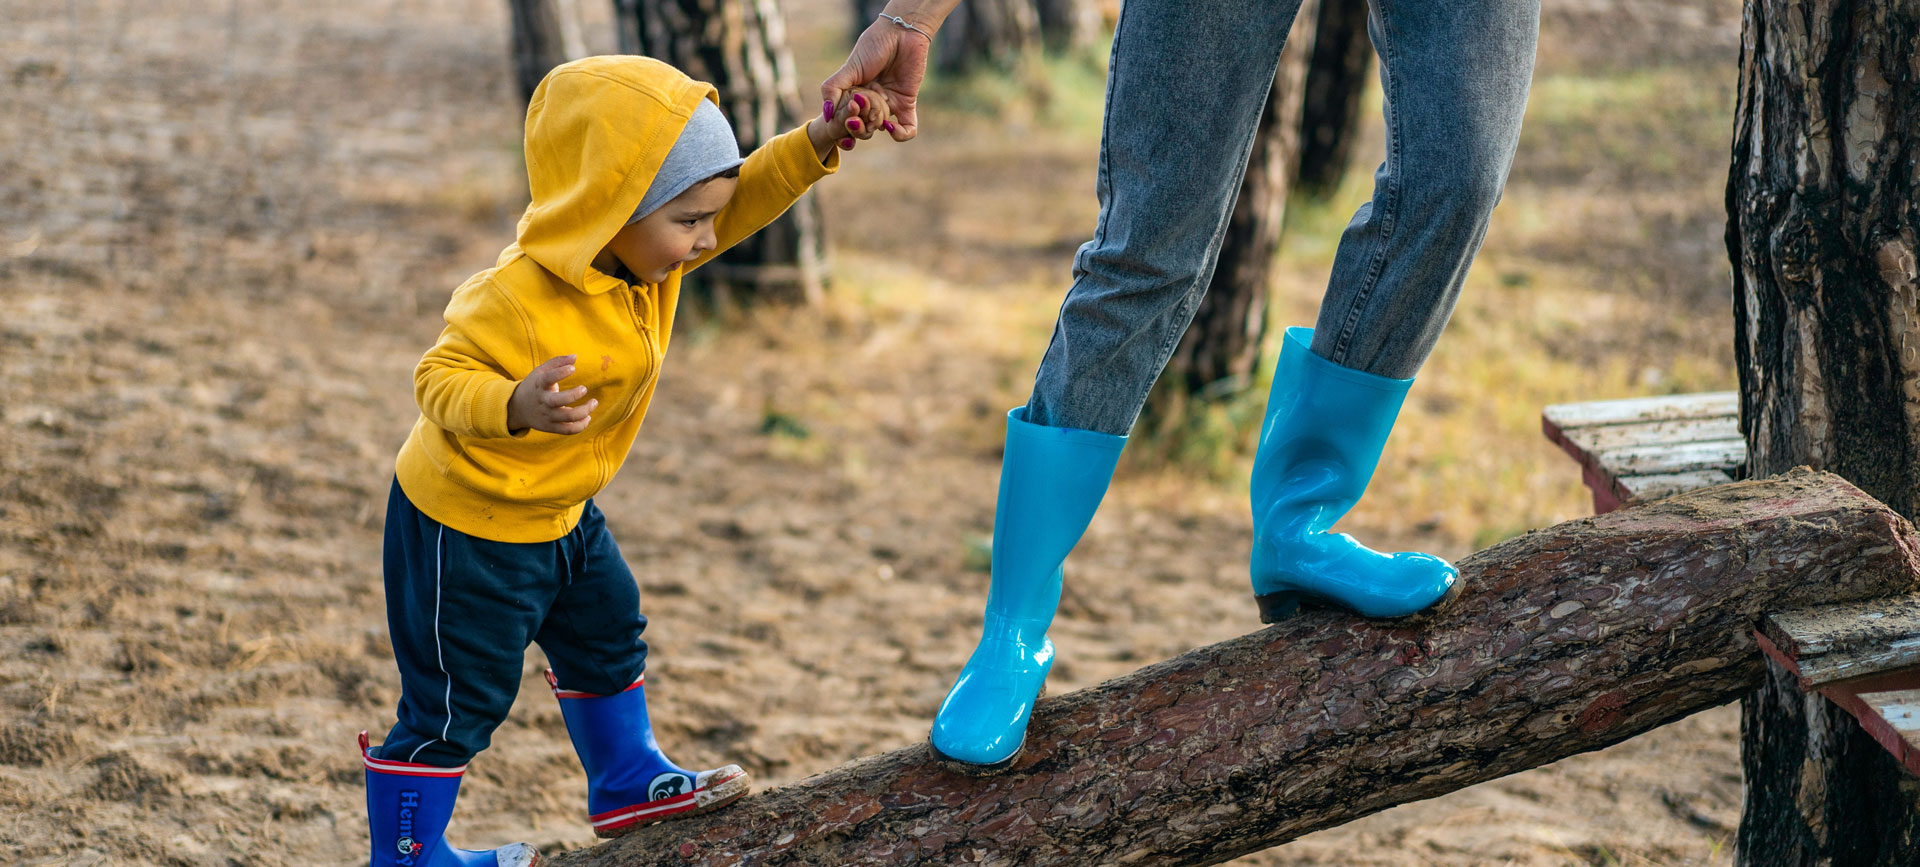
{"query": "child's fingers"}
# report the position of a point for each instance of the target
(568, 427)
(552, 371)
(870, 112)
(573, 413)
(555, 397)
(848, 119)
(877, 110)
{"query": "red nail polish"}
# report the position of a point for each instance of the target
(888, 126)
(860, 101)
(846, 144)
(826, 111)
(853, 123)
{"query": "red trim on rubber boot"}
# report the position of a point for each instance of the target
(604, 824)
(554, 684)
(403, 769)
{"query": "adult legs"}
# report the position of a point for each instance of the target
(1184, 94)
(1185, 90)
(1180, 121)
(1455, 74)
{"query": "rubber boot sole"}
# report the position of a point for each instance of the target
(1282, 605)
(717, 796)
(975, 769)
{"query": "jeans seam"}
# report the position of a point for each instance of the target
(1104, 182)
(1343, 342)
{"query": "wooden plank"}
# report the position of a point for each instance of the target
(1891, 717)
(1901, 709)
(1663, 485)
(1885, 704)
(1567, 416)
(1663, 459)
(1606, 494)
(1601, 438)
(1842, 642)
(1650, 447)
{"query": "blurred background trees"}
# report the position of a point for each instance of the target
(741, 47)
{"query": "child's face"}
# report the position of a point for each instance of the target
(679, 231)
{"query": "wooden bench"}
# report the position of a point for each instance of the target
(1864, 657)
(1650, 447)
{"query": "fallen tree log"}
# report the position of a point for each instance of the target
(1567, 639)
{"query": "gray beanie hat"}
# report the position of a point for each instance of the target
(705, 148)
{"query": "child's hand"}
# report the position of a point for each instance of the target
(538, 402)
(861, 113)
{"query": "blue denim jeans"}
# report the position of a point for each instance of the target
(1185, 89)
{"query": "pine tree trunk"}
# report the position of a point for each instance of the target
(1823, 228)
(1336, 79)
(539, 43)
(741, 47)
(1068, 25)
(996, 32)
(1218, 354)
(999, 32)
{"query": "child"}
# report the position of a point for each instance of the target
(492, 538)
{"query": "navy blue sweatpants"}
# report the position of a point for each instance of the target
(461, 611)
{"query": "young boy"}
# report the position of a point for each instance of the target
(492, 538)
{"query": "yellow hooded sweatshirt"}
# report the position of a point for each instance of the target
(597, 131)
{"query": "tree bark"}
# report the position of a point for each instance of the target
(1568, 639)
(995, 32)
(1068, 25)
(741, 47)
(1221, 348)
(1822, 226)
(999, 32)
(539, 42)
(1336, 79)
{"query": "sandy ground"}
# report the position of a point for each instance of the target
(226, 233)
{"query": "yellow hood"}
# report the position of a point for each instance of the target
(597, 131)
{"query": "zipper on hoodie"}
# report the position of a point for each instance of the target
(646, 333)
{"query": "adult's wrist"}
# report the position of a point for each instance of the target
(925, 15)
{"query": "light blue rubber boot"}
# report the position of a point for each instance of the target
(1324, 430)
(408, 806)
(1051, 481)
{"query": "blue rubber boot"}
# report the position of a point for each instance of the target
(1325, 427)
(1051, 481)
(630, 783)
(408, 806)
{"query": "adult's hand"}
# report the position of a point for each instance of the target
(892, 60)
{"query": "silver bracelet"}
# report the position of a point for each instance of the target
(907, 24)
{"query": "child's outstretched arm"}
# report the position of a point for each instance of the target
(778, 172)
